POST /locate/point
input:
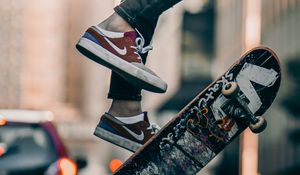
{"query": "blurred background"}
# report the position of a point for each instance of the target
(195, 42)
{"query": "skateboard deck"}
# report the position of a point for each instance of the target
(212, 120)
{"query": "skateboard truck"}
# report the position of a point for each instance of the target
(257, 123)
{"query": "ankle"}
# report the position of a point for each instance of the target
(115, 23)
(124, 108)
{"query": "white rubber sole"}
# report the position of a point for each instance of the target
(117, 140)
(131, 73)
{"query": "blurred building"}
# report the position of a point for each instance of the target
(193, 44)
(41, 69)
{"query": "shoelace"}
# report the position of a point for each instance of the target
(140, 42)
(154, 128)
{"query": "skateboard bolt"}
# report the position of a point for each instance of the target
(228, 86)
(238, 112)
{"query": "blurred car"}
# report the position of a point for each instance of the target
(30, 145)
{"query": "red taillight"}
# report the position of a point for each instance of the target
(67, 167)
(2, 150)
(114, 165)
(3, 121)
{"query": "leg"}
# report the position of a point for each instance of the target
(110, 44)
(124, 50)
(143, 14)
(125, 108)
(116, 23)
(125, 124)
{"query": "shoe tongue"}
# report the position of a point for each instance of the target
(131, 34)
(146, 117)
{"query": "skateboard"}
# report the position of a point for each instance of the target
(213, 119)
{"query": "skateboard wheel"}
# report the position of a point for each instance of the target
(230, 90)
(259, 126)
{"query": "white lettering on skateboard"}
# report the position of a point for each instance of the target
(260, 75)
(218, 85)
(249, 73)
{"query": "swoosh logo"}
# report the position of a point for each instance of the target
(120, 51)
(139, 137)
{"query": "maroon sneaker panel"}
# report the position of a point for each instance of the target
(137, 132)
(123, 44)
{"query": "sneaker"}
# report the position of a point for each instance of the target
(120, 52)
(129, 136)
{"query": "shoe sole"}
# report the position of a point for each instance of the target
(117, 140)
(136, 76)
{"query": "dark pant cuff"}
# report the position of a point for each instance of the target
(120, 89)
